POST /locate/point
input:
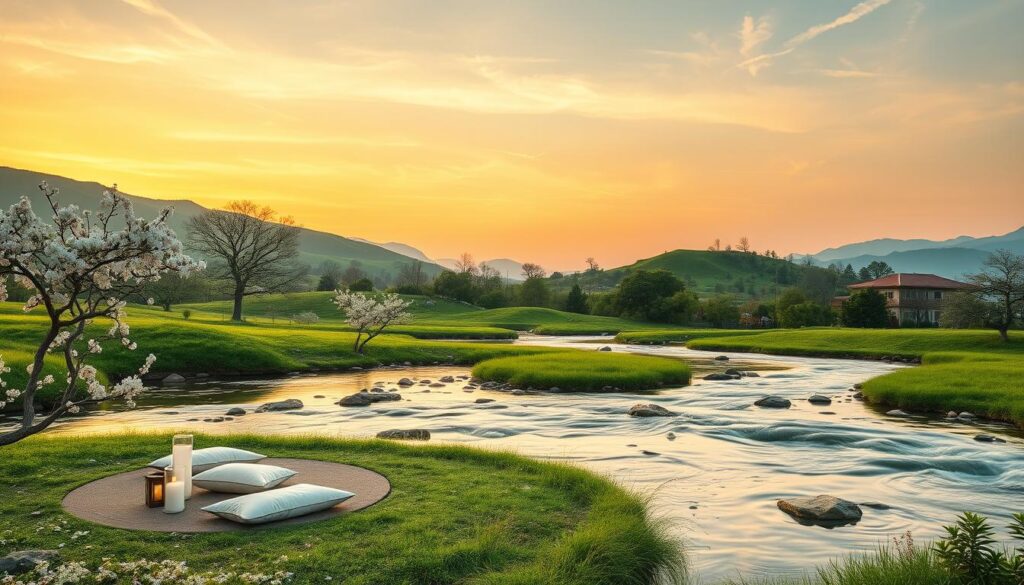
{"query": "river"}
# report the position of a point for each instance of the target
(717, 481)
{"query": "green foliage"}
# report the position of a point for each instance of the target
(494, 299)
(186, 314)
(454, 285)
(721, 311)
(361, 285)
(806, 314)
(454, 515)
(327, 282)
(968, 552)
(576, 302)
(578, 371)
(642, 295)
(865, 308)
(533, 292)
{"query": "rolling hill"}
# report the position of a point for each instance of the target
(315, 247)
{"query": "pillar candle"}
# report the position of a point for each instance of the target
(174, 497)
(181, 460)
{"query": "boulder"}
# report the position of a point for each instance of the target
(448, 379)
(405, 434)
(173, 379)
(405, 382)
(437, 385)
(897, 412)
(951, 414)
(368, 398)
(646, 410)
(716, 376)
(605, 348)
(24, 561)
(821, 509)
(773, 402)
(967, 415)
(290, 404)
(518, 392)
(983, 438)
(733, 372)
(483, 400)
(236, 411)
(819, 399)
(722, 358)
(671, 436)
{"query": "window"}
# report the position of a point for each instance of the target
(889, 294)
(937, 295)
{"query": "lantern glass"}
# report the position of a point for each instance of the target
(154, 490)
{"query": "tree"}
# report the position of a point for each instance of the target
(454, 285)
(465, 264)
(79, 267)
(878, 269)
(353, 273)
(592, 265)
(330, 276)
(864, 274)
(171, 289)
(721, 311)
(255, 248)
(370, 316)
(534, 291)
(806, 314)
(576, 302)
(531, 270)
(411, 274)
(642, 294)
(1001, 283)
(964, 310)
(744, 245)
(361, 285)
(865, 308)
(819, 284)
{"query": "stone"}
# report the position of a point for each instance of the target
(647, 410)
(319, 396)
(483, 400)
(819, 399)
(174, 379)
(671, 436)
(984, 438)
(858, 386)
(437, 385)
(821, 508)
(897, 412)
(236, 411)
(773, 402)
(733, 372)
(368, 398)
(716, 376)
(518, 392)
(858, 396)
(290, 404)
(448, 379)
(876, 505)
(405, 382)
(751, 374)
(722, 358)
(967, 415)
(646, 452)
(405, 434)
(951, 414)
(605, 348)
(554, 389)
(24, 561)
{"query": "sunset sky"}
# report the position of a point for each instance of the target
(543, 131)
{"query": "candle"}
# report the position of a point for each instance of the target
(181, 460)
(174, 497)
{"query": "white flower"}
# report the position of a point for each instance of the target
(150, 301)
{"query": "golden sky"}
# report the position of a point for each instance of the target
(537, 130)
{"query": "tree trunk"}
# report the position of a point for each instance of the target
(1003, 333)
(236, 312)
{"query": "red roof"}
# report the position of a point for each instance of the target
(911, 280)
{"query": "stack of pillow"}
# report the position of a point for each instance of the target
(233, 471)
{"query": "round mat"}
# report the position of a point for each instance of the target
(120, 500)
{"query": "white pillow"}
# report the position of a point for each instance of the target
(203, 459)
(279, 504)
(241, 478)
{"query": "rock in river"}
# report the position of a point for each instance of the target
(236, 411)
(405, 382)
(401, 434)
(174, 379)
(897, 412)
(645, 410)
(983, 438)
(717, 376)
(290, 404)
(722, 358)
(819, 399)
(773, 402)
(605, 348)
(821, 508)
(24, 561)
(483, 400)
(368, 398)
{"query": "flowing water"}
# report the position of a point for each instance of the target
(717, 481)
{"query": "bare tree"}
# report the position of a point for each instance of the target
(258, 250)
(592, 264)
(465, 264)
(411, 274)
(744, 245)
(531, 270)
(1001, 283)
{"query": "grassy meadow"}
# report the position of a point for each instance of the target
(455, 515)
(576, 371)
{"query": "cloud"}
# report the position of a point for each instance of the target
(753, 33)
(151, 8)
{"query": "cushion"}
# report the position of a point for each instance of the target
(203, 459)
(241, 478)
(280, 504)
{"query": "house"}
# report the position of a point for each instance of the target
(913, 300)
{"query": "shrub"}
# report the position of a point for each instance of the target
(187, 314)
(306, 318)
(969, 554)
(361, 285)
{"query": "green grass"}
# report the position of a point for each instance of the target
(662, 336)
(455, 515)
(969, 370)
(578, 371)
(537, 319)
(886, 567)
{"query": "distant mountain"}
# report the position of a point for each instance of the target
(1013, 240)
(314, 246)
(949, 262)
(400, 248)
(509, 269)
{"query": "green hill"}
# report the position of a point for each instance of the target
(314, 247)
(708, 272)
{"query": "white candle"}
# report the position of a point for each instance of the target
(181, 460)
(174, 497)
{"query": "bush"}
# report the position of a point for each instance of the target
(361, 285)
(968, 552)
(493, 300)
(865, 308)
(306, 318)
(187, 314)
(806, 314)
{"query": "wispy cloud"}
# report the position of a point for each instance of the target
(153, 9)
(756, 63)
(753, 33)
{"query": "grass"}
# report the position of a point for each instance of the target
(578, 371)
(455, 515)
(663, 336)
(885, 567)
(969, 370)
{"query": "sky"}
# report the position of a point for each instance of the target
(537, 130)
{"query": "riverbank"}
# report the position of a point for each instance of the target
(455, 514)
(962, 370)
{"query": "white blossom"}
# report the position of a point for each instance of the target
(369, 315)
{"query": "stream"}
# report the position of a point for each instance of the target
(717, 481)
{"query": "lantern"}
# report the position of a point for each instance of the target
(154, 490)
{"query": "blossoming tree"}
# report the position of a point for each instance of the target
(369, 316)
(79, 266)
